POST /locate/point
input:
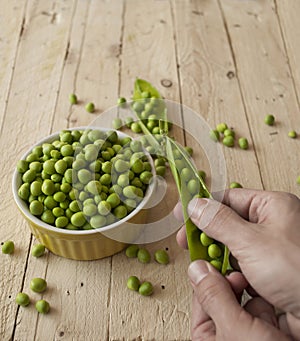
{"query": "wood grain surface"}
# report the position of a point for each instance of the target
(227, 61)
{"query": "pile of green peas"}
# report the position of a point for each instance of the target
(84, 179)
(227, 136)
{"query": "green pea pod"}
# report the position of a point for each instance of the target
(141, 86)
(196, 249)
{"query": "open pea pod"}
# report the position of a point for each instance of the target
(189, 185)
(188, 181)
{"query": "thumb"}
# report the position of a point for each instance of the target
(214, 294)
(220, 222)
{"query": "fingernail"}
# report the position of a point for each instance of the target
(196, 206)
(197, 271)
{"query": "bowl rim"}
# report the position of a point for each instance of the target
(25, 210)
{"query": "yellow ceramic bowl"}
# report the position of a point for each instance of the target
(84, 244)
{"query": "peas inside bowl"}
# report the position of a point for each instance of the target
(84, 190)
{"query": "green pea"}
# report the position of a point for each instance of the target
(38, 250)
(69, 213)
(105, 179)
(47, 147)
(136, 182)
(138, 166)
(120, 211)
(292, 134)
(22, 166)
(160, 170)
(48, 217)
(136, 128)
(214, 135)
(38, 150)
(29, 175)
(159, 162)
(132, 251)
(217, 264)
(74, 206)
(229, 132)
(56, 178)
(36, 166)
(269, 120)
(202, 174)
(94, 187)
(162, 257)
(48, 187)
(243, 143)
(179, 164)
(36, 188)
(221, 127)
(186, 174)
(228, 141)
(42, 306)
(193, 187)
(55, 154)
(24, 191)
(130, 192)
(65, 187)
(49, 167)
(78, 219)
(59, 196)
(205, 240)
(49, 202)
(73, 99)
(235, 185)
(146, 289)
(130, 204)
(8, 247)
(117, 123)
(90, 210)
(60, 166)
(22, 299)
(36, 207)
(97, 221)
(214, 251)
(61, 222)
(104, 208)
(84, 176)
(126, 140)
(143, 256)
(121, 166)
(90, 107)
(64, 205)
(189, 150)
(32, 157)
(133, 283)
(106, 167)
(138, 106)
(146, 177)
(38, 284)
(121, 101)
(128, 121)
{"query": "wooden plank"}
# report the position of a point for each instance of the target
(81, 298)
(210, 87)
(11, 23)
(148, 52)
(28, 118)
(11, 26)
(267, 88)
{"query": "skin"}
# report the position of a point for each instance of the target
(262, 230)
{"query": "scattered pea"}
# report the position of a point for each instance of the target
(146, 289)
(243, 143)
(38, 284)
(22, 299)
(229, 132)
(235, 185)
(38, 250)
(121, 101)
(228, 141)
(73, 99)
(133, 283)
(42, 306)
(90, 107)
(269, 120)
(143, 255)
(292, 134)
(117, 123)
(132, 251)
(189, 150)
(162, 257)
(8, 247)
(221, 127)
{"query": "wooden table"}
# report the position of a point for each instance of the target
(228, 60)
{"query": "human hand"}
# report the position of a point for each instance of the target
(262, 230)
